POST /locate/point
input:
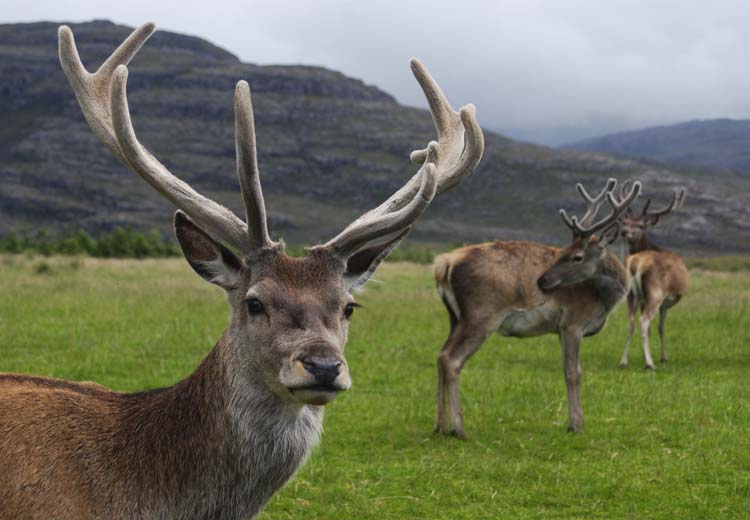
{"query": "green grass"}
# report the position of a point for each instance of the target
(674, 443)
(729, 263)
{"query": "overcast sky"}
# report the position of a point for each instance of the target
(548, 71)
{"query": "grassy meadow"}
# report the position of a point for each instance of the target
(673, 443)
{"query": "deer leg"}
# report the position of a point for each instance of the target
(454, 359)
(647, 315)
(570, 342)
(441, 420)
(662, 319)
(632, 309)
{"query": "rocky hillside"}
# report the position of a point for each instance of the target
(714, 143)
(329, 148)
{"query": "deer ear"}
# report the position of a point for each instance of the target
(651, 220)
(362, 265)
(212, 261)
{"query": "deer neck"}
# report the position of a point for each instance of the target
(610, 280)
(217, 443)
(642, 244)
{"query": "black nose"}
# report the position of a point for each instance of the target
(324, 369)
(542, 282)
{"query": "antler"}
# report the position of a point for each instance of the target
(102, 97)
(103, 100)
(678, 198)
(445, 163)
(593, 204)
(618, 206)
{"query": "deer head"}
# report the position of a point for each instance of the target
(289, 316)
(634, 225)
(583, 258)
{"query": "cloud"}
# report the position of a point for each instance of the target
(543, 70)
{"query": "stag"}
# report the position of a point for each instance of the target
(526, 289)
(659, 277)
(221, 442)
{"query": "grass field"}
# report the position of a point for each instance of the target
(673, 443)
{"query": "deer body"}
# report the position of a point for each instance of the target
(524, 289)
(659, 278)
(221, 442)
(211, 446)
(493, 288)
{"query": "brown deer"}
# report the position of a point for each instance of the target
(659, 277)
(527, 289)
(221, 442)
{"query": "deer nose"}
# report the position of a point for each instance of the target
(324, 369)
(542, 282)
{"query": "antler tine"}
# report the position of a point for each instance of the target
(678, 198)
(593, 204)
(460, 138)
(450, 159)
(610, 186)
(624, 189)
(567, 220)
(644, 211)
(683, 192)
(622, 193)
(618, 206)
(247, 167)
(354, 237)
(92, 90)
(216, 220)
(103, 100)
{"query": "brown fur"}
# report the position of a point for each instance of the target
(217, 444)
(659, 280)
(60, 441)
(494, 287)
(658, 276)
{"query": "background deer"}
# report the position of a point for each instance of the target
(219, 443)
(526, 289)
(659, 277)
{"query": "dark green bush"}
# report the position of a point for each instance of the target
(119, 243)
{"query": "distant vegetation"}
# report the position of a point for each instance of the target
(119, 243)
(129, 243)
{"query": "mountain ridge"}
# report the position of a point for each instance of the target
(330, 147)
(716, 143)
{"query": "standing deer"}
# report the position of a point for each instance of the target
(221, 442)
(659, 277)
(526, 289)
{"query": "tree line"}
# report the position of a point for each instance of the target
(118, 243)
(130, 243)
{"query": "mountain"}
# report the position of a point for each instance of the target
(329, 147)
(711, 143)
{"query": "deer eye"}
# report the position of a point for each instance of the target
(349, 309)
(577, 258)
(254, 306)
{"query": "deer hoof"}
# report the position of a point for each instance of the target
(650, 367)
(575, 429)
(623, 364)
(459, 433)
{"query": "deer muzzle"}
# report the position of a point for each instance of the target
(321, 374)
(546, 283)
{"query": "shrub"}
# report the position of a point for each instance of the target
(120, 243)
